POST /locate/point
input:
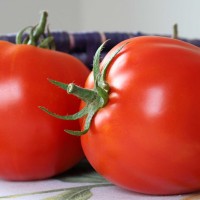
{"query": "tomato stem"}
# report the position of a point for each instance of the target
(37, 36)
(40, 28)
(175, 31)
(94, 99)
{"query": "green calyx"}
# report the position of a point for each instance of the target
(36, 35)
(94, 99)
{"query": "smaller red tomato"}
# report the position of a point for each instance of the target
(33, 144)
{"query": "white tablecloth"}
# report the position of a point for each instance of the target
(79, 183)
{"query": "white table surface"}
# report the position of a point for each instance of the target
(79, 183)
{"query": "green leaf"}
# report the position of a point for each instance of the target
(74, 193)
(80, 193)
(82, 173)
(90, 177)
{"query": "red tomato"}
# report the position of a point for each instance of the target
(33, 144)
(147, 137)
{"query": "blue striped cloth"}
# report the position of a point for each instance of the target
(84, 45)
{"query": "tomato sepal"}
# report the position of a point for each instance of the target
(94, 99)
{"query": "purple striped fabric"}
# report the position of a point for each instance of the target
(83, 45)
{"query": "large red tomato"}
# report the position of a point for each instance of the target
(147, 137)
(33, 144)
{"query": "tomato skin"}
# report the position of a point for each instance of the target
(33, 144)
(147, 138)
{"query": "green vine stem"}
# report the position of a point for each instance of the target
(175, 31)
(36, 35)
(95, 98)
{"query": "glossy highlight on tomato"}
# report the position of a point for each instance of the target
(147, 137)
(33, 144)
